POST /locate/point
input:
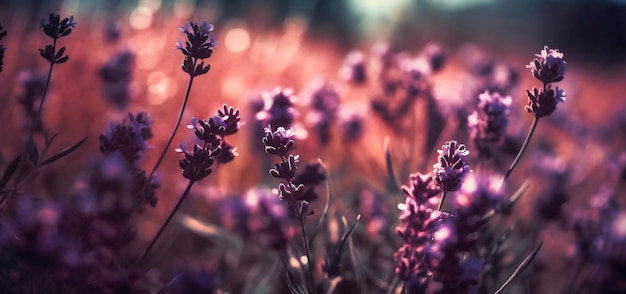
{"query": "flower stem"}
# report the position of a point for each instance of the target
(443, 196)
(180, 117)
(308, 254)
(521, 151)
(45, 89)
(167, 221)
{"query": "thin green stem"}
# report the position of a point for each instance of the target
(521, 151)
(167, 221)
(180, 118)
(443, 196)
(308, 255)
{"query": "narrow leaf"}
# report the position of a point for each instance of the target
(32, 151)
(391, 175)
(8, 173)
(512, 200)
(332, 269)
(63, 152)
(520, 268)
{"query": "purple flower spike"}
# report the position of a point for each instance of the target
(452, 166)
(548, 66)
(488, 123)
(197, 164)
(422, 188)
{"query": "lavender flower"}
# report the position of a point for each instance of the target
(127, 139)
(353, 68)
(199, 46)
(543, 102)
(278, 110)
(56, 28)
(116, 76)
(422, 188)
(279, 142)
(488, 123)
(323, 100)
(196, 164)
(548, 66)
(435, 55)
(452, 166)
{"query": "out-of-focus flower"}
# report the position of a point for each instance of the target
(278, 110)
(422, 188)
(488, 123)
(353, 68)
(409, 264)
(127, 139)
(452, 166)
(116, 76)
(548, 66)
(435, 55)
(543, 102)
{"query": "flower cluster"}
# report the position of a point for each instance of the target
(548, 67)
(128, 141)
(323, 102)
(488, 123)
(260, 217)
(429, 261)
(451, 166)
(278, 108)
(295, 196)
(199, 46)
(56, 28)
(197, 162)
(116, 76)
(3, 33)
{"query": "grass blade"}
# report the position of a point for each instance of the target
(391, 174)
(63, 152)
(8, 173)
(520, 268)
(329, 194)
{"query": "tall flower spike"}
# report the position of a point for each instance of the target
(422, 188)
(548, 66)
(452, 166)
(197, 164)
(199, 46)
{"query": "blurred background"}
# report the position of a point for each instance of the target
(288, 43)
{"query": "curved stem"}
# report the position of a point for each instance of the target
(45, 90)
(443, 196)
(308, 254)
(167, 221)
(521, 151)
(180, 117)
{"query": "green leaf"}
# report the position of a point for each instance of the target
(391, 175)
(520, 268)
(63, 153)
(10, 170)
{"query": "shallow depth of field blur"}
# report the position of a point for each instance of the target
(264, 44)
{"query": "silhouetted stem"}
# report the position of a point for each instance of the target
(443, 196)
(167, 221)
(521, 151)
(45, 89)
(308, 254)
(180, 117)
